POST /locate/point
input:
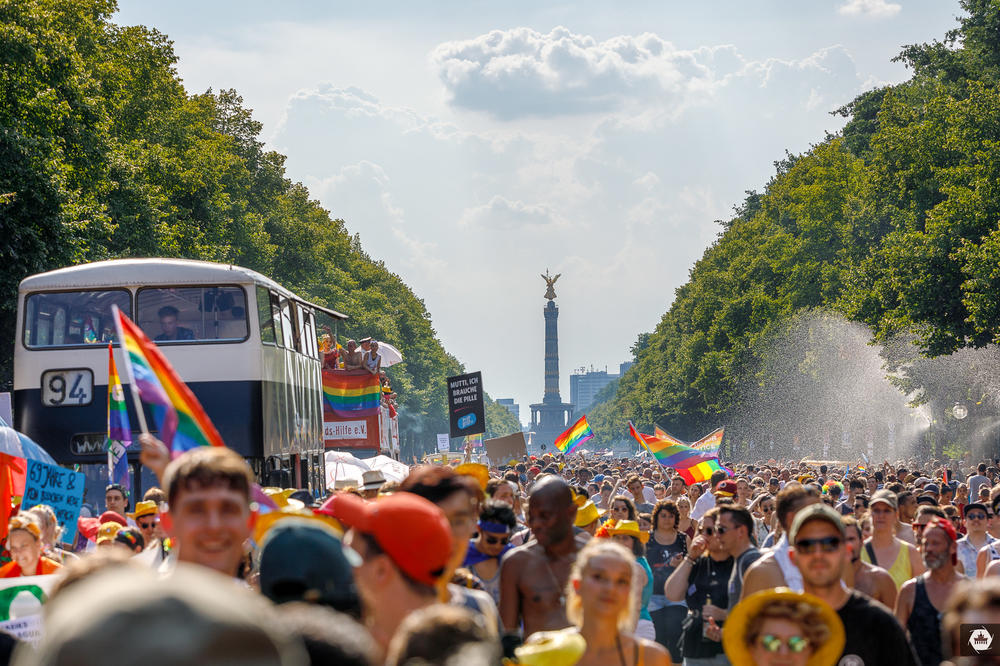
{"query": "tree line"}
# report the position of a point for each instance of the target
(104, 154)
(891, 223)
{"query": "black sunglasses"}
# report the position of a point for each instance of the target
(976, 516)
(496, 540)
(709, 531)
(825, 544)
(146, 526)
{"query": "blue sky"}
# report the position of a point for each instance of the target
(472, 145)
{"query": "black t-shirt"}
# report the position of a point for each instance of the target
(874, 636)
(709, 579)
(743, 562)
(659, 557)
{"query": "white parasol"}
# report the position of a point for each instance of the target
(390, 355)
(392, 470)
(341, 465)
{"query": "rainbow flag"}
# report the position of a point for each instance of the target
(119, 432)
(711, 442)
(352, 395)
(182, 423)
(693, 465)
(575, 435)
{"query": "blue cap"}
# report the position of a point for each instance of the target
(598, 478)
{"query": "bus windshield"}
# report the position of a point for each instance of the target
(193, 314)
(72, 318)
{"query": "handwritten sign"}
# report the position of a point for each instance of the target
(60, 488)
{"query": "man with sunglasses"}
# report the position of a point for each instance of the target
(922, 600)
(775, 569)
(734, 526)
(819, 550)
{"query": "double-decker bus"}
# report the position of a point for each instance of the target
(245, 345)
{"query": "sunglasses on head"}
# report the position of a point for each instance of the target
(826, 544)
(492, 541)
(772, 643)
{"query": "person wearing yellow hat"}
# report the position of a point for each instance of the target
(106, 534)
(783, 627)
(588, 517)
(24, 541)
(146, 517)
(628, 534)
(602, 604)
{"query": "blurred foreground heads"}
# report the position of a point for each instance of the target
(193, 617)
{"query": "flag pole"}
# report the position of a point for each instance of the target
(133, 389)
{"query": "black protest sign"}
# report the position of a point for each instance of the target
(466, 409)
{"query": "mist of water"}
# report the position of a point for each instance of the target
(822, 391)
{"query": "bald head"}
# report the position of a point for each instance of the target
(551, 489)
(551, 511)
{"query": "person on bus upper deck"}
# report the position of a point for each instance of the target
(372, 359)
(353, 357)
(168, 322)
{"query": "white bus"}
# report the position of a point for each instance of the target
(245, 345)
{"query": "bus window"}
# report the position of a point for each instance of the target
(287, 325)
(264, 318)
(304, 336)
(279, 329)
(193, 314)
(312, 336)
(72, 318)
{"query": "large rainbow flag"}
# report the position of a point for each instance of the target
(693, 465)
(575, 435)
(180, 419)
(711, 442)
(352, 395)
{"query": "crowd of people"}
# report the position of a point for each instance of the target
(547, 560)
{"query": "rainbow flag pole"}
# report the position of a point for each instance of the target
(575, 435)
(182, 422)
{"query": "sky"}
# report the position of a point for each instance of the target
(474, 145)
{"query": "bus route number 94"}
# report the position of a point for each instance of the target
(67, 388)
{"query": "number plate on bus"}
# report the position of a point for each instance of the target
(67, 388)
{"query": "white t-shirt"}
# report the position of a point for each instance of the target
(701, 507)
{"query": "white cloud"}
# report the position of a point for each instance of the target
(642, 78)
(501, 213)
(873, 8)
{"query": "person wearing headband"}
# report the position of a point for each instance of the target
(24, 541)
(496, 524)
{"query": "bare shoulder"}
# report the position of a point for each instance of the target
(765, 561)
(993, 569)
(653, 653)
(908, 588)
(517, 557)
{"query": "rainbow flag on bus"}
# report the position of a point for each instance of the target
(352, 395)
(119, 432)
(577, 434)
(182, 423)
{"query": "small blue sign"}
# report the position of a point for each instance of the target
(58, 487)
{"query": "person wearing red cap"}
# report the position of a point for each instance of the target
(923, 599)
(405, 544)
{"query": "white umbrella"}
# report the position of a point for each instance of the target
(390, 355)
(340, 465)
(392, 470)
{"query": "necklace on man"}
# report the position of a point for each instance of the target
(555, 579)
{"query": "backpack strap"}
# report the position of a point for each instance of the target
(871, 553)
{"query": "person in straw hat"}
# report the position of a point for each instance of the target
(781, 627)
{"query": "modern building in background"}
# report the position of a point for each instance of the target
(584, 386)
(622, 367)
(511, 406)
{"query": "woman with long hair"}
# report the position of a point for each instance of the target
(665, 550)
(622, 508)
(684, 523)
(602, 600)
